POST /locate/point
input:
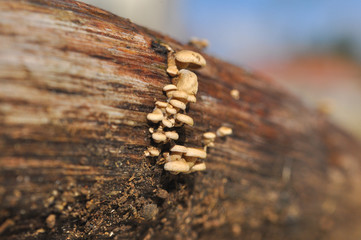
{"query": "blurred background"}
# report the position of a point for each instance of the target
(313, 48)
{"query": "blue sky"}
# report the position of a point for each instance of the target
(258, 29)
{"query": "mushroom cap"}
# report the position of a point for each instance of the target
(178, 104)
(159, 137)
(235, 94)
(171, 110)
(209, 135)
(195, 152)
(198, 43)
(172, 70)
(224, 131)
(180, 95)
(155, 116)
(185, 119)
(187, 81)
(172, 135)
(179, 148)
(199, 167)
(169, 87)
(176, 166)
(192, 98)
(153, 151)
(167, 123)
(161, 104)
(195, 60)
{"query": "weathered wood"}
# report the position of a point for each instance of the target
(76, 83)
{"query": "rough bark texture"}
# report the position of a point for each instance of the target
(76, 83)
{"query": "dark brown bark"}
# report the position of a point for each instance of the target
(76, 83)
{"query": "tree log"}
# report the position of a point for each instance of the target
(76, 84)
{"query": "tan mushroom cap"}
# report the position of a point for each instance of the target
(209, 135)
(199, 167)
(186, 81)
(178, 104)
(195, 152)
(153, 151)
(192, 98)
(159, 137)
(185, 119)
(190, 59)
(172, 69)
(179, 148)
(175, 156)
(167, 123)
(224, 131)
(169, 87)
(161, 104)
(171, 110)
(172, 135)
(235, 94)
(155, 116)
(198, 43)
(180, 95)
(176, 166)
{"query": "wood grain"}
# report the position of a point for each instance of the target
(76, 83)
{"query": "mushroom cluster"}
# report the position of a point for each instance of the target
(171, 115)
(208, 139)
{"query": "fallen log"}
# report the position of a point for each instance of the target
(76, 84)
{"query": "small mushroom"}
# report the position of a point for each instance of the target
(172, 69)
(179, 148)
(192, 98)
(208, 139)
(167, 123)
(171, 110)
(178, 104)
(184, 119)
(209, 135)
(235, 94)
(198, 167)
(176, 166)
(189, 59)
(152, 151)
(195, 152)
(224, 131)
(172, 135)
(169, 89)
(159, 137)
(172, 120)
(198, 43)
(186, 81)
(161, 104)
(180, 95)
(155, 116)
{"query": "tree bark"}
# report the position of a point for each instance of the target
(76, 84)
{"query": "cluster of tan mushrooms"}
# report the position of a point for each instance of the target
(171, 114)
